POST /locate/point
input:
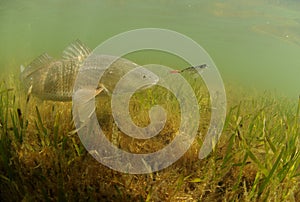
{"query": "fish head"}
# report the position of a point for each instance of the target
(136, 79)
(121, 75)
(144, 77)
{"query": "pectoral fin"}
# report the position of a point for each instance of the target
(84, 100)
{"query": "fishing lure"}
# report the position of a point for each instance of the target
(192, 69)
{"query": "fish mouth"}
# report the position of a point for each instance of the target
(148, 86)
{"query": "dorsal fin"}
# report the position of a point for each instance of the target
(76, 51)
(40, 62)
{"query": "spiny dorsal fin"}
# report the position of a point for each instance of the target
(76, 51)
(40, 62)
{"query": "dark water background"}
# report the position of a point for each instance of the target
(253, 43)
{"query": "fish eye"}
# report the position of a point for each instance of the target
(144, 76)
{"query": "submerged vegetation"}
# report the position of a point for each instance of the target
(257, 157)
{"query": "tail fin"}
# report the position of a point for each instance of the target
(22, 68)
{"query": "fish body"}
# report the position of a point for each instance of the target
(114, 69)
(51, 79)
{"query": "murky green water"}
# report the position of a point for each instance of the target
(255, 43)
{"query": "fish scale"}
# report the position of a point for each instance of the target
(59, 81)
(51, 79)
